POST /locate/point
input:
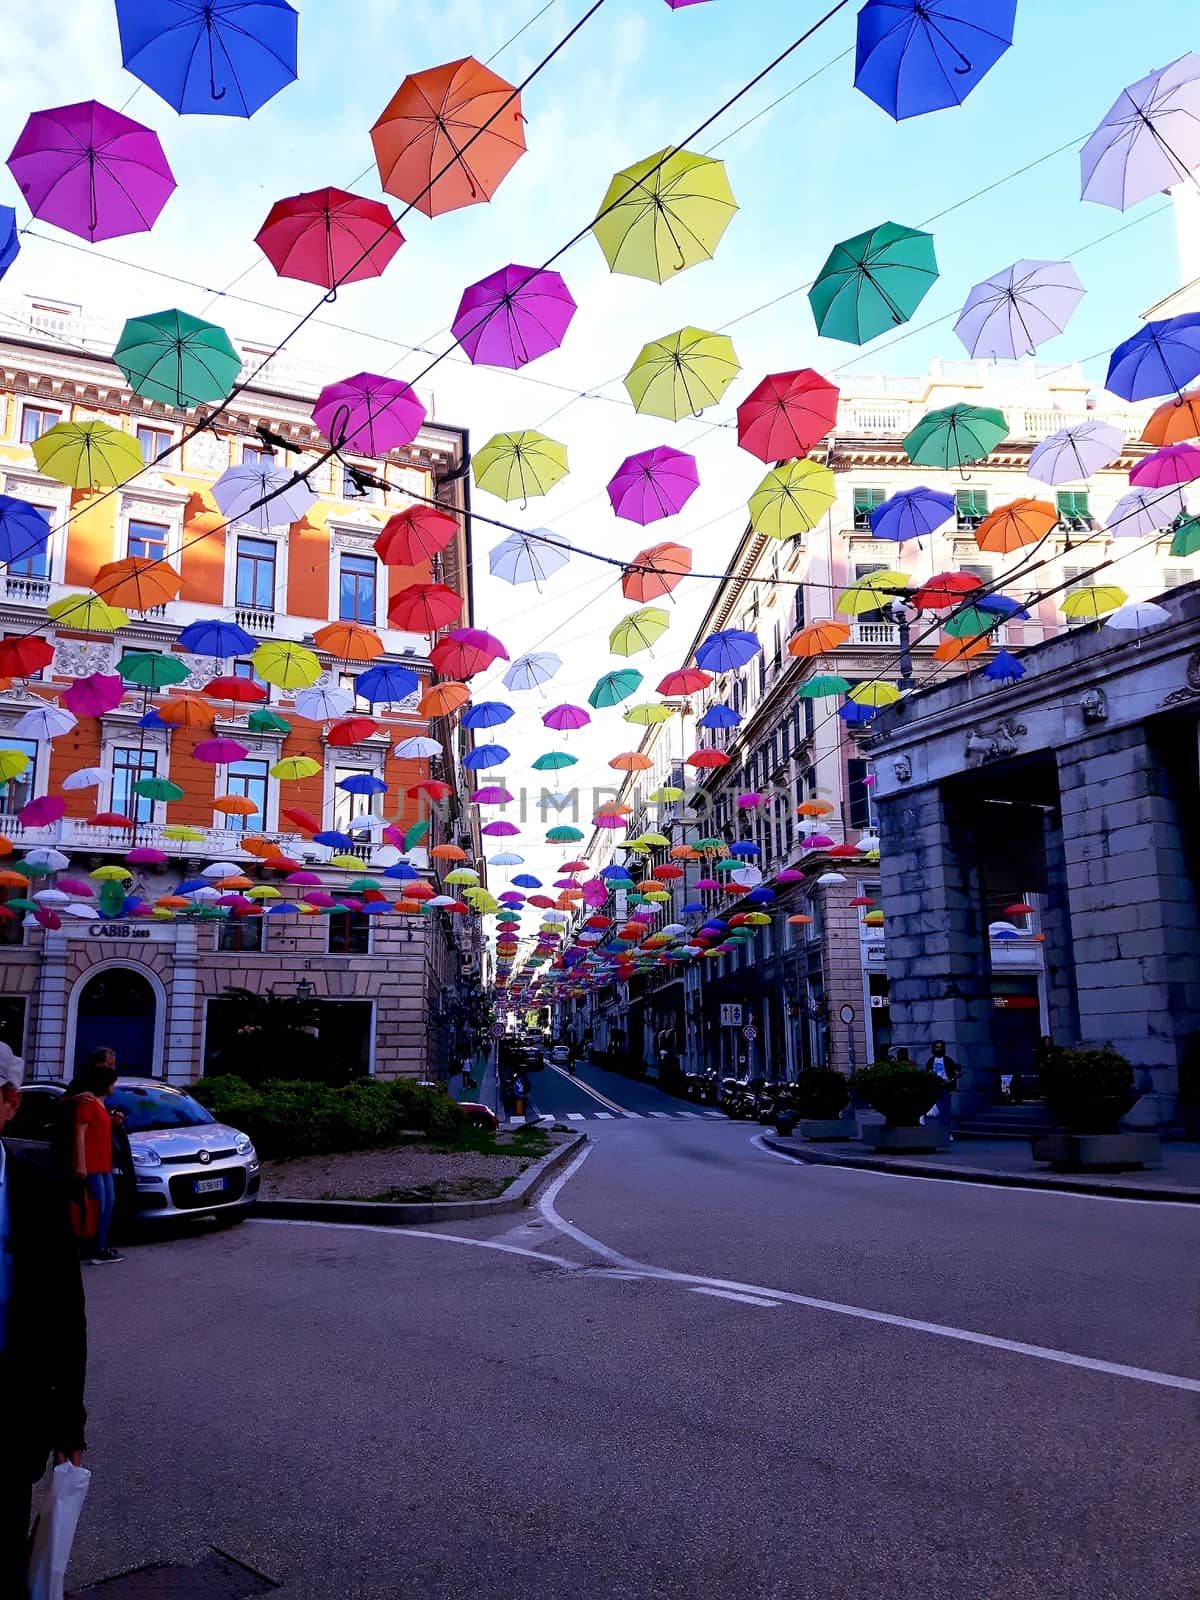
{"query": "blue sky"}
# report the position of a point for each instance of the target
(822, 165)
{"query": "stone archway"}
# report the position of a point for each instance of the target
(120, 1007)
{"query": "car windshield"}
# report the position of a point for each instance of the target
(148, 1107)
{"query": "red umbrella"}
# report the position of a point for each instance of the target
(425, 607)
(435, 789)
(944, 590)
(233, 688)
(688, 680)
(415, 535)
(708, 758)
(301, 818)
(465, 652)
(329, 237)
(351, 730)
(23, 655)
(787, 414)
(110, 819)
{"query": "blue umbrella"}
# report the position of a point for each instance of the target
(387, 683)
(694, 908)
(402, 871)
(719, 716)
(1000, 605)
(527, 881)
(218, 639)
(190, 885)
(24, 529)
(854, 713)
(285, 908)
(761, 896)
(744, 848)
(220, 58)
(1161, 358)
(153, 720)
(727, 651)
(487, 714)
(486, 755)
(362, 783)
(1003, 668)
(376, 908)
(916, 56)
(10, 243)
(333, 839)
(613, 874)
(911, 514)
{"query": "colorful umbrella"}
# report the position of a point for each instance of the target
(1175, 421)
(531, 670)
(149, 670)
(1134, 615)
(664, 214)
(513, 316)
(211, 637)
(646, 716)
(1003, 668)
(186, 711)
(449, 136)
(41, 811)
(968, 622)
(1174, 463)
(681, 373)
(1150, 139)
(728, 650)
(425, 607)
(329, 237)
(1145, 511)
(95, 695)
(486, 755)
(787, 414)
(443, 700)
(466, 651)
(177, 358)
(955, 435)
(243, 691)
(353, 730)
(221, 58)
(24, 529)
(1186, 538)
(1090, 603)
(386, 683)
(321, 703)
(873, 282)
(369, 414)
(945, 591)
(719, 716)
(220, 753)
(415, 536)
(1013, 526)
(12, 764)
(1073, 454)
(1161, 358)
(915, 56)
(912, 514)
(263, 497)
(159, 789)
(417, 748)
(527, 558)
(10, 238)
(87, 455)
(614, 687)
(566, 718)
(1011, 314)
(286, 665)
(137, 583)
(638, 631)
(554, 761)
(792, 499)
(348, 641)
(513, 465)
(684, 681)
(818, 638)
(653, 484)
(487, 714)
(91, 170)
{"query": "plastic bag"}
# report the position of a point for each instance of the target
(54, 1531)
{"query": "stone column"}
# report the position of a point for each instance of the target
(50, 1015)
(182, 1061)
(1062, 1001)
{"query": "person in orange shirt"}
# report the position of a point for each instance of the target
(92, 1146)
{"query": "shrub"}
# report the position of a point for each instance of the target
(288, 1117)
(1087, 1088)
(821, 1093)
(902, 1092)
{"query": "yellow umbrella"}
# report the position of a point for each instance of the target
(87, 612)
(666, 795)
(184, 835)
(756, 919)
(885, 580)
(12, 764)
(296, 767)
(656, 841)
(638, 631)
(287, 666)
(1085, 605)
(870, 593)
(664, 214)
(792, 499)
(263, 891)
(875, 694)
(681, 373)
(111, 874)
(517, 465)
(87, 455)
(345, 860)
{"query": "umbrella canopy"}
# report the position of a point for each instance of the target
(94, 695)
(224, 58)
(44, 722)
(719, 716)
(1003, 668)
(443, 700)
(414, 536)
(449, 136)
(1013, 526)
(531, 670)
(728, 650)
(787, 414)
(527, 558)
(1134, 615)
(385, 683)
(653, 484)
(466, 651)
(649, 714)
(369, 414)
(24, 529)
(1148, 141)
(286, 665)
(664, 214)
(186, 711)
(353, 730)
(614, 687)
(329, 237)
(946, 590)
(638, 631)
(1160, 358)
(294, 767)
(955, 435)
(1186, 539)
(683, 373)
(216, 639)
(1174, 463)
(262, 497)
(487, 714)
(1091, 602)
(152, 671)
(14, 762)
(220, 753)
(417, 748)
(349, 641)
(1145, 511)
(425, 607)
(1073, 454)
(554, 761)
(88, 613)
(685, 681)
(1175, 421)
(177, 358)
(818, 637)
(656, 571)
(912, 514)
(792, 499)
(320, 704)
(566, 718)
(873, 282)
(10, 238)
(518, 465)
(968, 622)
(137, 583)
(513, 316)
(91, 170)
(915, 56)
(1010, 314)
(87, 455)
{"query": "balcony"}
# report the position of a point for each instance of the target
(254, 620)
(73, 833)
(29, 591)
(875, 633)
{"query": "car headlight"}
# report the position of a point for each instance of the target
(243, 1145)
(145, 1156)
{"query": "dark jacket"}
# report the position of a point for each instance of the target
(953, 1070)
(44, 1364)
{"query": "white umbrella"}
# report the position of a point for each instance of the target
(417, 749)
(239, 491)
(221, 869)
(1150, 139)
(44, 856)
(47, 722)
(205, 894)
(528, 671)
(440, 900)
(1075, 453)
(1145, 511)
(366, 823)
(52, 897)
(85, 778)
(1011, 314)
(1135, 615)
(832, 877)
(506, 858)
(78, 909)
(323, 704)
(527, 557)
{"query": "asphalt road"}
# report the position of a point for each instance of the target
(693, 1370)
(594, 1095)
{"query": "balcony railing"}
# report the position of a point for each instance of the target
(73, 833)
(32, 591)
(876, 633)
(254, 620)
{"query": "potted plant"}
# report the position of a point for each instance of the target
(820, 1095)
(1088, 1088)
(903, 1093)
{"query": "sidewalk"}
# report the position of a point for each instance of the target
(484, 1092)
(1007, 1163)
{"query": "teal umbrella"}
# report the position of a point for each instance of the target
(177, 358)
(614, 687)
(825, 686)
(554, 761)
(151, 671)
(971, 621)
(873, 282)
(955, 435)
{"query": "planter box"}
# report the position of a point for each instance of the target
(1075, 1152)
(878, 1136)
(834, 1128)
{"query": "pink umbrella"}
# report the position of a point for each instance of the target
(394, 835)
(319, 898)
(565, 719)
(305, 879)
(143, 855)
(220, 752)
(369, 414)
(42, 811)
(500, 830)
(788, 875)
(707, 883)
(817, 841)
(653, 484)
(92, 171)
(94, 695)
(748, 801)
(612, 823)
(1175, 463)
(492, 794)
(513, 316)
(79, 887)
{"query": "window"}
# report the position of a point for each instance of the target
(255, 455)
(349, 934)
(248, 778)
(156, 443)
(247, 670)
(17, 791)
(128, 765)
(866, 501)
(35, 420)
(240, 934)
(859, 794)
(1073, 510)
(1075, 578)
(1176, 577)
(147, 539)
(357, 582)
(254, 583)
(971, 507)
(349, 680)
(347, 805)
(36, 565)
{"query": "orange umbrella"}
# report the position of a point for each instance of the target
(631, 761)
(238, 881)
(615, 808)
(349, 641)
(186, 711)
(799, 920)
(1015, 525)
(819, 637)
(264, 849)
(137, 583)
(6, 846)
(422, 137)
(443, 699)
(813, 808)
(1175, 421)
(235, 805)
(656, 571)
(408, 907)
(959, 649)
(447, 852)
(13, 880)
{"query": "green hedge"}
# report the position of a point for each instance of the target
(902, 1092)
(299, 1118)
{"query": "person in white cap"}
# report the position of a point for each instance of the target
(43, 1335)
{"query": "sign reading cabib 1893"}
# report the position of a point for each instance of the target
(117, 930)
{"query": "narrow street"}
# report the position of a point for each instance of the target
(690, 1368)
(594, 1095)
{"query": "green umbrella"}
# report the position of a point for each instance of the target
(21, 905)
(564, 836)
(971, 621)
(614, 687)
(263, 721)
(156, 789)
(873, 282)
(1186, 538)
(416, 833)
(151, 671)
(554, 761)
(638, 631)
(177, 358)
(824, 686)
(955, 435)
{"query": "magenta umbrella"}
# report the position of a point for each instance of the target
(92, 171)
(500, 830)
(609, 822)
(1174, 464)
(42, 811)
(492, 794)
(653, 484)
(513, 316)
(749, 800)
(220, 752)
(369, 414)
(144, 855)
(94, 695)
(565, 719)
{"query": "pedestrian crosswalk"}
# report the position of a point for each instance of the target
(637, 1116)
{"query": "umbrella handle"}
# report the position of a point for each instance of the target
(217, 94)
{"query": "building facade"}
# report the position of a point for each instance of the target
(396, 994)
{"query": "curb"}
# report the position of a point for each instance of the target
(387, 1214)
(1111, 1188)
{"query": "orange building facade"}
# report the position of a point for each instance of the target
(393, 993)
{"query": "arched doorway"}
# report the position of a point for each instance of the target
(118, 1008)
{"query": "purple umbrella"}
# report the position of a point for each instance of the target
(92, 171)
(565, 719)
(94, 695)
(369, 414)
(1011, 314)
(491, 794)
(500, 830)
(1159, 359)
(40, 813)
(1150, 139)
(1144, 512)
(653, 484)
(513, 316)
(220, 752)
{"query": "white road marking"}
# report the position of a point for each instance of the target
(658, 1113)
(603, 1116)
(720, 1115)
(687, 1113)
(635, 1115)
(742, 1299)
(416, 1233)
(576, 1116)
(587, 1089)
(780, 1155)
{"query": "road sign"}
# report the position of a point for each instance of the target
(731, 1016)
(749, 1033)
(847, 1014)
(497, 1030)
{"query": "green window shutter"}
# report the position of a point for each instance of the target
(1073, 503)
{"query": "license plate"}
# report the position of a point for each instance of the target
(209, 1185)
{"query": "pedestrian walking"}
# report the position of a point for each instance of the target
(92, 1151)
(949, 1071)
(43, 1335)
